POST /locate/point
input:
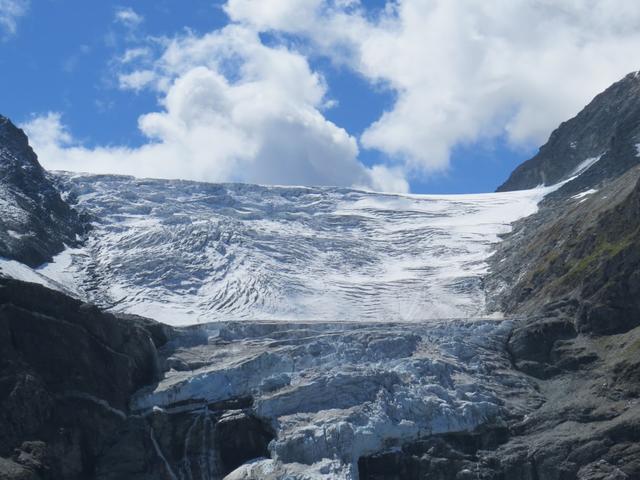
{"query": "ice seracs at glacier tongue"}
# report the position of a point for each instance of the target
(335, 391)
(185, 252)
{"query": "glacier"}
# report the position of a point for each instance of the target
(350, 322)
(186, 252)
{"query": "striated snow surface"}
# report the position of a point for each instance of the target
(186, 252)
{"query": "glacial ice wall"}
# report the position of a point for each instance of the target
(335, 391)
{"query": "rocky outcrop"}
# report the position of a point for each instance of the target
(608, 128)
(571, 273)
(457, 456)
(36, 222)
(576, 257)
(587, 427)
(67, 372)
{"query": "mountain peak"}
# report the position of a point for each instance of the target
(608, 129)
(14, 145)
(36, 222)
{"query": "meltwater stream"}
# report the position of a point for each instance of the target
(186, 252)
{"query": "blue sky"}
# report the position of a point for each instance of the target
(404, 94)
(59, 60)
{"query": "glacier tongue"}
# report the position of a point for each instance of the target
(335, 391)
(186, 252)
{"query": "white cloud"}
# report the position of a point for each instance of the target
(136, 80)
(10, 12)
(47, 129)
(128, 17)
(233, 109)
(465, 70)
(135, 54)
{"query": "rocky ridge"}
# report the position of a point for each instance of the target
(571, 272)
(36, 222)
(608, 129)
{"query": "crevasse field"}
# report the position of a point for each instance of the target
(186, 252)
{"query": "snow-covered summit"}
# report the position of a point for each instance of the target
(187, 252)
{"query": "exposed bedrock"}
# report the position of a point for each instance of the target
(67, 371)
(206, 443)
(571, 273)
(36, 222)
(453, 456)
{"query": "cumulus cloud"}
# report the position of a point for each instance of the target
(233, 109)
(47, 129)
(466, 70)
(10, 12)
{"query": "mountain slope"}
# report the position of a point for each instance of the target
(607, 129)
(571, 273)
(36, 223)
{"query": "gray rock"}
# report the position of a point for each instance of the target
(36, 222)
(609, 127)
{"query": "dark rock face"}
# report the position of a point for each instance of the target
(533, 345)
(608, 126)
(67, 374)
(35, 222)
(111, 357)
(240, 437)
(204, 443)
(457, 456)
